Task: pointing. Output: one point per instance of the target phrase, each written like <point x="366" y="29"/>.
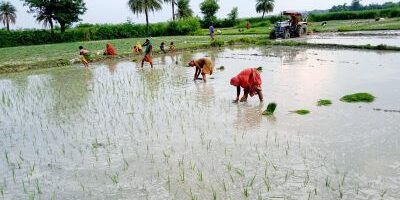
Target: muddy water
<point x="390" y="38"/>
<point x="118" y="132"/>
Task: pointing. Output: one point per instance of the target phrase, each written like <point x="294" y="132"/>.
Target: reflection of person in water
<point x="250" y="81"/>
<point x="112" y="66"/>
<point x="248" y="117"/>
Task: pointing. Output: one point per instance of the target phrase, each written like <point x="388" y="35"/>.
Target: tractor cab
<point x="296" y="26"/>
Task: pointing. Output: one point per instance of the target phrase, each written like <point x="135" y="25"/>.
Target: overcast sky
<point x="117" y="11"/>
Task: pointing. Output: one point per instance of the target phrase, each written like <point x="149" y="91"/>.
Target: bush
<point x="217" y="43"/>
<point x="86" y="32"/>
<point x="187" y="26"/>
<point x="346" y="15"/>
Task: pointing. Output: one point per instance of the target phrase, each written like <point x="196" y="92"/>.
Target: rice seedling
<point x="200" y="175"/>
<point x="382" y="193"/>
<point x="2" y="190"/>
<point x="214" y="194"/>
<point x="221" y="68"/>
<point x="301" y="112"/>
<point x="114" y="178"/>
<point x="7" y="158"/>
<point x="270" y="109"/>
<point x="358" y="97"/>
<point x="246" y="192"/>
<point x="240" y="172"/>
<point x="38" y="189"/>
<point x="324" y="102"/>
<point x="224" y="186"/>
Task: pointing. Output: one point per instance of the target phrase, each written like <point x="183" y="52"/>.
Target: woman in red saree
<point x="250" y="81"/>
<point x="110" y="50"/>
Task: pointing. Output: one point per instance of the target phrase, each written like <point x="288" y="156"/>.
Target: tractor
<point x="296" y="26"/>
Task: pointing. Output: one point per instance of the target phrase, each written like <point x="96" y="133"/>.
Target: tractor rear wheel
<point x="272" y="35"/>
<point x="286" y="35"/>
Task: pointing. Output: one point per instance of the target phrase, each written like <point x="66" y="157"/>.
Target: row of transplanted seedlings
<point x="136" y="133"/>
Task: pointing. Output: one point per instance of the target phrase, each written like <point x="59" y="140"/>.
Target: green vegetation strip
<point x="358" y="97"/>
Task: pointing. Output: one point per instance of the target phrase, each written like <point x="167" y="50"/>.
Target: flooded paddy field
<point x="116" y="131"/>
<point x="374" y="38"/>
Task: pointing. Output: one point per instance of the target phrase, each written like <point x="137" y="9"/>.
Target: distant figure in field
<point x="250" y="81"/>
<point x="248" y="25"/>
<point x="172" y="47"/>
<point x="110" y="50"/>
<point x="212" y="31"/>
<point x="162" y="47"/>
<point x="85" y="56"/>
<point x="137" y="48"/>
<point x="203" y="66"/>
<point x="147" y="57"/>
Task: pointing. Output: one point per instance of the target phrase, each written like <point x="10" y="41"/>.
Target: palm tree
<point x="46" y="17"/>
<point x="184" y="9"/>
<point x="173" y="2"/>
<point x="265" y="6"/>
<point x="144" y="6"/>
<point x="7" y="14"/>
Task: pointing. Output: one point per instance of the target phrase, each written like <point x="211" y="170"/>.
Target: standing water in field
<point x="116" y="131"/>
<point x="374" y="38"/>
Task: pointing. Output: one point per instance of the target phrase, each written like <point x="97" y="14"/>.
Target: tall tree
<point x="65" y="12"/>
<point x="145" y="6"/>
<point x="184" y="9"/>
<point x="173" y="3"/>
<point x="209" y="8"/>
<point x="264" y="6"/>
<point x="7" y="14"/>
<point x="356" y="5"/>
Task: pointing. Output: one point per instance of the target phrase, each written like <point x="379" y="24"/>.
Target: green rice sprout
<point x="301" y="112"/>
<point x="324" y="102"/>
<point x="358" y="97"/>
<point x="270" y="109"/>
<point x="259" y="69"/>
<point x="221" y="67"/>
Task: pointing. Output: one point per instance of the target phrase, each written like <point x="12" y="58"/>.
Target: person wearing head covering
<point x="147" y="57"/>
<point x="85" y="56"/>
<point x="137" y="48"/>
<point x="110" y="50"/>
<point x="203" y="66"/>
<point x="250" y="81"/>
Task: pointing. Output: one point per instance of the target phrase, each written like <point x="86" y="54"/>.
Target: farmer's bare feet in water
<point x="243" y="99"/>
<point x="235" y="101"/>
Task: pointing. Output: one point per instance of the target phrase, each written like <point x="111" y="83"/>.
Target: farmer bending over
<point x="110" y="50"/>
<point x="203" y="66"/>
<point x="250" y="81"/>
<point x="85" y="56"/>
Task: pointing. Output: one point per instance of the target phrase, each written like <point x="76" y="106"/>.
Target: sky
<point x="117" y="11"/>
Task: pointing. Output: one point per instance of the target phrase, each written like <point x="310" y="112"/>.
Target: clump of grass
<point x="259" y="69"/>
<point x="358" y="97"/>
<point x="270" y="109"/>
<point x="221" y="67"/>
<point x="217" y="43"/>
<point x="301" y="112"/>
<point x="324" y="102"/>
